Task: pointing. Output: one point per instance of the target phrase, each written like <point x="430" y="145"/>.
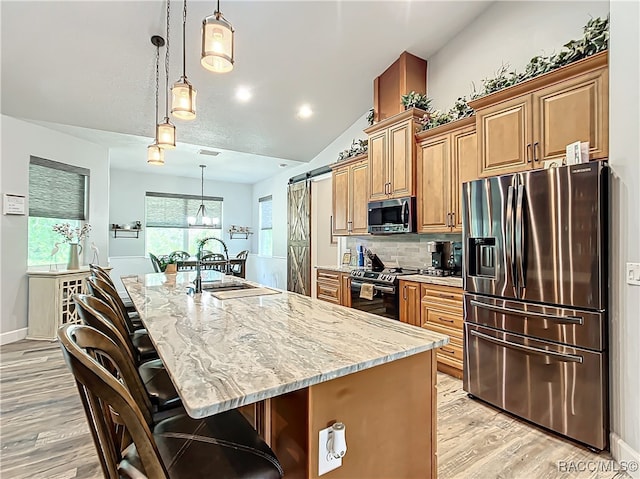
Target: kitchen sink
<point x="225" y="286"/>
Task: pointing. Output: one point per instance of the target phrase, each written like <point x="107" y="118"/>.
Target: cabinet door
<point x="410" y="302"/>
<point x="573" y="110"/>
<point x="378" y="166"/>
<point x="464" y="167"/>
<point x="504" y="133"/>
<point x="433" y="185"/>
<point x="359" y="197"/>
<point x="341" y="201"/>
<point x="345" y="289"/>
<point x="401" y="159"/>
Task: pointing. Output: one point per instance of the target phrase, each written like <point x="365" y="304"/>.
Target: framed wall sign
<point x="13" y="204"/>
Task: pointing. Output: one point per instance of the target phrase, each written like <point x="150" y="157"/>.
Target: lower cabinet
<point x="410" y="302"/>
<point x="333" y="287"/>
<point x="441" y="312"/>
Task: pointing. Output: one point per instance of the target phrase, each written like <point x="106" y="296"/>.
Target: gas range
<point x="386" y="276"/>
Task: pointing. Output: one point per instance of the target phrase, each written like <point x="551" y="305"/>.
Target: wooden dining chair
<point x="239" y="269"/>
<point x="180" y="255"/>
<point x="131" y="444"/>
<point x="139" y="337"/>
<point x="155" y="262"/>
<point x="99" y="315"/>
<point x="103" y="274"/>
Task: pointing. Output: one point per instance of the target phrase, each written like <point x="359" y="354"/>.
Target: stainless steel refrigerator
<point x="535" y="280"/>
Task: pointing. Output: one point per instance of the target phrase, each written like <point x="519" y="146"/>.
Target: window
<point x="265" y="239"/>
<point x="58" y="193"/>
<point x="166" y="223"/>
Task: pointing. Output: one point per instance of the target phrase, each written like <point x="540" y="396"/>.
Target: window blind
<point x="57" y="190"/>
<point x="166" y="210"/>
<point x="266" y="211"/>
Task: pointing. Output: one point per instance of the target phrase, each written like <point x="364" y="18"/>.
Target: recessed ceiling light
<point x="305" y="111"/>
<point x="209" y="152"/>
<point x="243" y="94"/>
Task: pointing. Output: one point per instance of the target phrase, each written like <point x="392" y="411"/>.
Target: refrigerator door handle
<point x="572" y="358"/>
<point x="519" y="234"/>
<point x="502" y="309"/>
<point x="511" y="266"/>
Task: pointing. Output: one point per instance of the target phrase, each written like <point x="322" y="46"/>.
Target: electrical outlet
<point x="633" y="273"/>
<point x="326" y="461"/>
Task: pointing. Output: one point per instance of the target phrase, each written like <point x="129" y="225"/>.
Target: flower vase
<point x="74" y="252"/>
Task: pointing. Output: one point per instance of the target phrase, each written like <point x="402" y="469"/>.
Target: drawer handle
<point x="446" y="296"/>
<point x="448" y="351"/>
<point x="445" y="320"/>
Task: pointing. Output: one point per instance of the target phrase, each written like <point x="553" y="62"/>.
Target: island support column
<point x="390" y="417"/>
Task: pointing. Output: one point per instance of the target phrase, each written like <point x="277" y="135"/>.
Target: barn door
<point x="298" y="241"/>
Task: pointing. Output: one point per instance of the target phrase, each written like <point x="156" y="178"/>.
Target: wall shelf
<point x="126" y="233"/>
<point x="239" y="235"/>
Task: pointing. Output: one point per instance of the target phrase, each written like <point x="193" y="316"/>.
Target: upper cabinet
<point x="447" y="157"/>
<point x="350" y="196"/>
<point x="522" y="126"/>
<point x="392" y="156"/>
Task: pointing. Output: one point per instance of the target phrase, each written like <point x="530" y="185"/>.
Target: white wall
<point x="273" y="270"/>
<point x="506" y="32"/>
<point x="624" y="146"/>
<point x="20" y="140"/>
<point x="127" y="204"/>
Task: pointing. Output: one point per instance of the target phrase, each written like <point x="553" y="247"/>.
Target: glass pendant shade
<point x="155" y="155"/>
<point x="166" y="134"/>
<point x="183" y="100"/>
<point x="217" y="44"/>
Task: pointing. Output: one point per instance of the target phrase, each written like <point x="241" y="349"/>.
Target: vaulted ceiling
<point x="87" y="67"/>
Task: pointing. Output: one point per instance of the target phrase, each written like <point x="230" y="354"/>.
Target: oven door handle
<point x="573" y="358"/>
<point x="503" y="309"/>
<point x="357" y="285"/>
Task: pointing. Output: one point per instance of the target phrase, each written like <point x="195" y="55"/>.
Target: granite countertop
<point x="340" y="268"/>
<point x="222" y="354"/>
<point x="454" y="281"/>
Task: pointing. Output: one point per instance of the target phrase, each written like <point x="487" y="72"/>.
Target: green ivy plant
<point x="358" y="147"/>
<point x="416" y="100"/>
<point x="370" y="117"/>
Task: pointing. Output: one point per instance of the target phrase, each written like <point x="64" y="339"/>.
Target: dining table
<point x="296" y="365"/>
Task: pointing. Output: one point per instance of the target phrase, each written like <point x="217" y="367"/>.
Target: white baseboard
<point x="13" y="336"/>
<point x="625" y="455"/>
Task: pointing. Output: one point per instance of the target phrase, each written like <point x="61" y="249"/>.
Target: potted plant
<point x="416" y="100"/>
<point x="168" y="263"/>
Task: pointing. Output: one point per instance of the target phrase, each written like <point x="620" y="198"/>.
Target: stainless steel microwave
<point x="392" y="216"/>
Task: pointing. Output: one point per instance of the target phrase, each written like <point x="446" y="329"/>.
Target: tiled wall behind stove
<point x="410" y="250"/>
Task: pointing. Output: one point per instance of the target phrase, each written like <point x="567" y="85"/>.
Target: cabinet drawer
<point x="443" y="296"/>
<point x="453" y="350"/>
<point x="328" y="293"/>
<point x="443" y="318"/>
<point x="453" y="333"/>
<point x="327" y="276"/>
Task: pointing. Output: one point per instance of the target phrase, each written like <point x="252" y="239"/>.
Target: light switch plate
<point x="326" y="461"/>
<point x="633" y="273"/>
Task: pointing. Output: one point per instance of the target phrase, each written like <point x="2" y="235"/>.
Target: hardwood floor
<point x="44" y="435"/>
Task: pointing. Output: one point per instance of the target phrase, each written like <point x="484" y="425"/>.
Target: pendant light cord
<point x="157" y="85"/>
<point x="166" y="63"/>
<point x="184" y="36"/>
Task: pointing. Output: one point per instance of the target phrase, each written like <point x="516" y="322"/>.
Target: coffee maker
<point x="435" y="252"/>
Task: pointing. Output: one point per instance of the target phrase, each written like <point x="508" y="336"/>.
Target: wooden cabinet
<point x="447" y="157"/>
<point x="50" y="300"/>
<point x="392" y="156"/>
<point x="350" y="196"/>
<point x="522" y="126"/>
<point x="410" y="302"/>
<point x="333" y="287"/>
<point x="441" y="312"/>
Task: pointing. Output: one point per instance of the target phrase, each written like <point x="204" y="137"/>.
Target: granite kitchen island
<point x="305" y="363"/>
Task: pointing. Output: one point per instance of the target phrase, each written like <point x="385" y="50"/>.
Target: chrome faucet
<point x="198" y="281"/>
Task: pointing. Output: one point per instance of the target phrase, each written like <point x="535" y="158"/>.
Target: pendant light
<point x="155" y="154"/>
<point x="217" y="43"/>
<point x="183" y="98"/>
<point x="200" y="219"/>
<point x="166" y="131"/>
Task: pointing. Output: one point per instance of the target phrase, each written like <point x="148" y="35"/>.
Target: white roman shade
<point x="166" y="210"/>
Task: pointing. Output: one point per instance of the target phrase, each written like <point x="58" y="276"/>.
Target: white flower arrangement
<point x="72" y="235"/>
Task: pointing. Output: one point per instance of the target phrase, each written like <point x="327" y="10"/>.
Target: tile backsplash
<point x="409" y="250"/>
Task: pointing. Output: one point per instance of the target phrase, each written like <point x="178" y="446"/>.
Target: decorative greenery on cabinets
<point x="358" y="147"/>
